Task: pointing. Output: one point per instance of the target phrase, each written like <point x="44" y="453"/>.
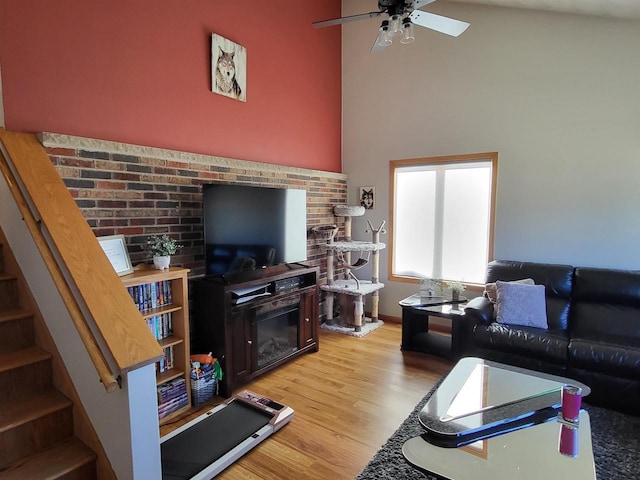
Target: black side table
<point x="416" y="336"/>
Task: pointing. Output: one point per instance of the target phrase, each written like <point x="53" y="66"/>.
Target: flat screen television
<point x="247" y="227"/>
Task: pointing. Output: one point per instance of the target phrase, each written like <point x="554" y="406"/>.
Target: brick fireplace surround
<point x="136" y="191"/>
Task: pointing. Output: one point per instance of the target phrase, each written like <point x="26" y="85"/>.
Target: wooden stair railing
<point x="84" y="277"/>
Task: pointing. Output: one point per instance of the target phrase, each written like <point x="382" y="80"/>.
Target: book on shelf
<point x="166" y="362"/>
<point x="155" y="300"/>
<point x="161" y="326"/>
<point x="151" y="295"/>
<point x="168" y="298"/>
<point x="171" y="406"/>
<point x="171" y="392"/>
<point x="171" y="389"/>
<point x="167" y="322"/>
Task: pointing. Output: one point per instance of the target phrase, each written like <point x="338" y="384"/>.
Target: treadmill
<point x="205" y="446"/>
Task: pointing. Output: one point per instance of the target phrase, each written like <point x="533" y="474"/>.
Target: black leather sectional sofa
<point x="593" y="333"/>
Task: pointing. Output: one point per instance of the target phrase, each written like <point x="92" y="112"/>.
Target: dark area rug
<point x="615" y="437"/>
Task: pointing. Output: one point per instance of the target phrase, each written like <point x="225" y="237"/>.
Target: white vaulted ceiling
<point x="605" y="8"/>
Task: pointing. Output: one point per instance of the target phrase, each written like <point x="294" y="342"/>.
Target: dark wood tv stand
<point x="254" y="321"/>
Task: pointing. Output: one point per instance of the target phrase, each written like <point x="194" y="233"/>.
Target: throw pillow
<point x="521" y="304"/>
<point x="490" y="288"/>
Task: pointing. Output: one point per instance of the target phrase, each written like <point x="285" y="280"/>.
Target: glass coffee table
<point x="487" y="420"/>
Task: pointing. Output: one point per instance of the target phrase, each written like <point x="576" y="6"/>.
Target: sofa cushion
<point x="606" y="301"/>
<point x="524" y="341"/>
<point x="491" y="291"/>
<point x="521" y="304"/>
<point x="611" y="354"/>
<point x="558" y="280"/>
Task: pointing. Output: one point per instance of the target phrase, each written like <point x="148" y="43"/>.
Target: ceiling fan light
<point x="384" y="39"/>
<point x="395" y="26"/>
<point x="407" y="32"/>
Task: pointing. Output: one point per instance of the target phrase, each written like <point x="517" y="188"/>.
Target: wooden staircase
<point x="37" y="438"/>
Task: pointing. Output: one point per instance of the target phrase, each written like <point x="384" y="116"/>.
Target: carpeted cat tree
<point x="350" y="290"/>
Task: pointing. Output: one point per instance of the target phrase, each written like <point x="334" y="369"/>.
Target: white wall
<point x="557" y="95"/>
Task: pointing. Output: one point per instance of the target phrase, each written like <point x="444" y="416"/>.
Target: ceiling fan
<point x="402" y="14"/>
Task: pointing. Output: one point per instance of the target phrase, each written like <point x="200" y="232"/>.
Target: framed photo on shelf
<point x="115" y="248"/>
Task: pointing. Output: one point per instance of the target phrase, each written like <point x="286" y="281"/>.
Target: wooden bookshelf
<point x="166" y="311"/>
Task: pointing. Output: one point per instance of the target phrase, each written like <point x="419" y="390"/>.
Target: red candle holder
<point x="571" y="403"/>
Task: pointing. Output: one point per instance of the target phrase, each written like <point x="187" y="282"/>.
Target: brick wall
<point x="137" y="191"/>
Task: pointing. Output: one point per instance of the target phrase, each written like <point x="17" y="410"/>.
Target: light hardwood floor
<point x="348" y="399"/>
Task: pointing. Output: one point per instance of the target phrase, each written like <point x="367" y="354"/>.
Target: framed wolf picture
<point x="367" y="197"/>
<point x="228" y="68"/>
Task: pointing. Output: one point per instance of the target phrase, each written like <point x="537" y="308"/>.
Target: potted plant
<point x="161" y="247"/>
<point x="456" y="288"/>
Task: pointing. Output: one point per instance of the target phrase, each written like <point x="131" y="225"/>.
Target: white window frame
<point x="442" y="160"/>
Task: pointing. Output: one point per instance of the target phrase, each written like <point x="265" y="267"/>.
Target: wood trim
<point x="126" y="336"/>
<point x="386" y="318"/>
<point x="468" y="157"/>
<point x="494" y="190"/>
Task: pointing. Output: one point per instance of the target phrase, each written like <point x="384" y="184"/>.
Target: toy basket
<point x="204" y="387"/>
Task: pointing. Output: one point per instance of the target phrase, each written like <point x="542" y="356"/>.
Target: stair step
<point x="51" y="422"/>
<point x="67" y="460"/>
<point x="24" y="372"/>
<point x="14" y="314"/>
<point x="8" y="291"/>
<point x="16" y="330"/>
<point x="14" y="413"/>
<point x="22" y="358"/>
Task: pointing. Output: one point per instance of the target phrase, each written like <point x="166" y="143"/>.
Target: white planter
<point x="162" y="263"/>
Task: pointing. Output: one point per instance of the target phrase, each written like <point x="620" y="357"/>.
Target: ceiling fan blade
<point x="438" y="23"/>
<point x="341" y="20"/>
<point x="416" y="4"/>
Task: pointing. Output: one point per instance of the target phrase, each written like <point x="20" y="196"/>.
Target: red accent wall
<point x="140" y="72"/>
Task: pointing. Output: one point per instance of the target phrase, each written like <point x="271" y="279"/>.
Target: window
<point x="442" y="217"/>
